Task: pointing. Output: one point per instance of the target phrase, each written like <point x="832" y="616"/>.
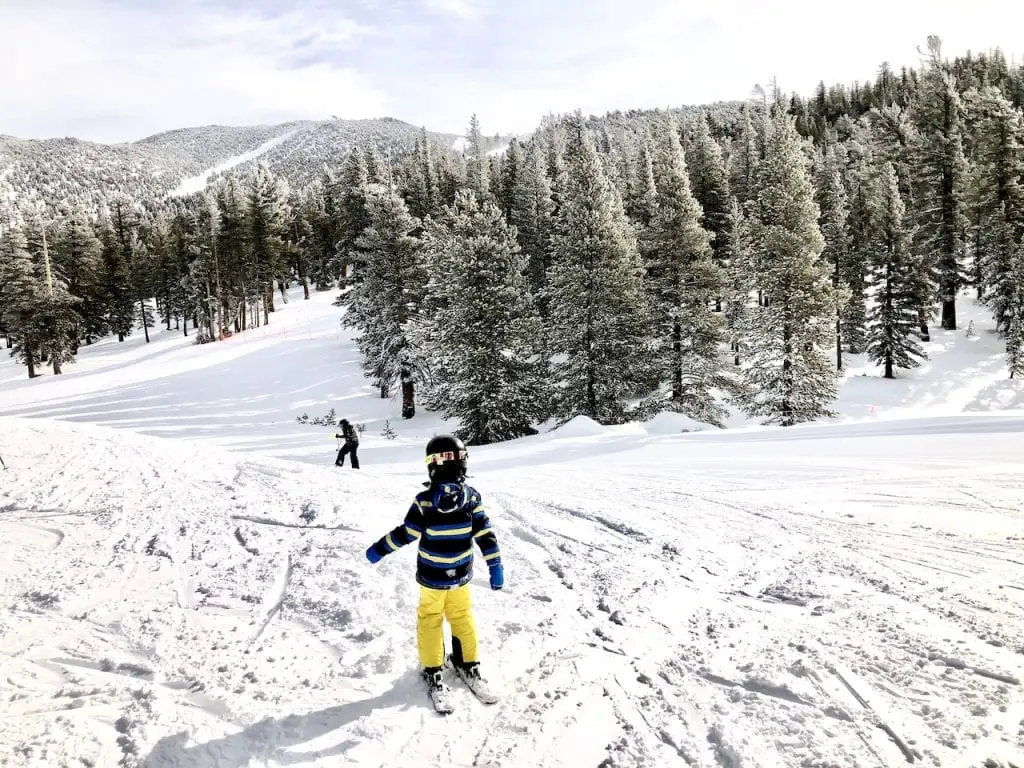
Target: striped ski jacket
<point x="445" y="520"/>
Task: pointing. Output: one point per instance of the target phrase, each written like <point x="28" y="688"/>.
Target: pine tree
<point x="353" y="218"/>
<point x="892" y="320"/>
<point x="477" y="166"/>
<point x="642" y="199"/>
<point x="710" y="182"/>
<point x="682" y="280"/>
<point x="1015" y="318"/>
<point x="76" y="258"/>
<point x="835" y="212"/>
<point x="389" y="294"/>
<point x="599" y="316"/>
<point x="740" y="284"/>
<point x="20" y="296"/>
<point x="788" y="374"/>
<point x="997" y="197"/>
<point x="120" y="237"/>
<point x="268" y="215"/>
<point x="941" y="180"/>
<point x="484" y="357"/>
<point x="532" y="218"/>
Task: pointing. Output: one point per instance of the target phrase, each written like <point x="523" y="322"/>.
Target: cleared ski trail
<point x="715" y="601"/>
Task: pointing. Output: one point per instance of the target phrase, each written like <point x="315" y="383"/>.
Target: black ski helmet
<point x="446" y="459"/>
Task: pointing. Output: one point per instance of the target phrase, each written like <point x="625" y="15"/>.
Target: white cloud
<point x="464" y="9"/>
<point x="105" y="72"/>
<point x="99" y="69"/>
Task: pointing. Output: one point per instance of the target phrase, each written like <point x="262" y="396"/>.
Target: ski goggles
<point x="441" y="458"/>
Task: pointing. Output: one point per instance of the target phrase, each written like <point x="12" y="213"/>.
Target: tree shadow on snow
<point x="273" y="737"/>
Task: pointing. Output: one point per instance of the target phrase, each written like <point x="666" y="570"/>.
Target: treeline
<point x="612" y="267"/>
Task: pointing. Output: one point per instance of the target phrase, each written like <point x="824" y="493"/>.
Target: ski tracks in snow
<point x="164" y="611"/>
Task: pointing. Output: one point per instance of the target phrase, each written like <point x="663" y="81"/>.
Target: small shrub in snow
<point x="389" y="431"/>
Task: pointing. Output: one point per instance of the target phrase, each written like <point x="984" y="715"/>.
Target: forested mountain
<point x="67" y="170"/>
<point x="615" y="266"/>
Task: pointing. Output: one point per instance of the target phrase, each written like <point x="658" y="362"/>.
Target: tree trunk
<point x="385" y="391"/>
<point x="31" y="366"/>
<point x="922" y="321"/>
<point x="408" y="394"/>
<point x="677" y="361"/>
<point x="145" y="325"/>
<point x="56" y="365"/>
<point x="786" y="409"/>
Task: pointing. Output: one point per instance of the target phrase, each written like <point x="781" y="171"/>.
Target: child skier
<point x="446" y="519"/>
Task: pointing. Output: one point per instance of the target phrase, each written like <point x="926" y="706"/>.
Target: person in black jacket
<point x="351" y="444"/>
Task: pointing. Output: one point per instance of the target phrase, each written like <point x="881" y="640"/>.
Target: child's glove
<point x="373" y="555"/>
<point x="497" y="577"/>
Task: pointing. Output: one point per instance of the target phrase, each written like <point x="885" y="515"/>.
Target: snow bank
<point x="580" y="426"/>
<point x="666" y="423"/>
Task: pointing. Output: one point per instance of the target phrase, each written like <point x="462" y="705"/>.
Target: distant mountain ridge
<point x="73" y="170"/>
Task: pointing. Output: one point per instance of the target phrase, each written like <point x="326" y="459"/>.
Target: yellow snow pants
<point x="435" y="606"/>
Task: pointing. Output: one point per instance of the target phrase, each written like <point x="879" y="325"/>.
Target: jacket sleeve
<point x="484" y="536"/>
<point x="409" y="531"/>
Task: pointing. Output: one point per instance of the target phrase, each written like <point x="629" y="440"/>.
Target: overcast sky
<point x="116" y="70"/>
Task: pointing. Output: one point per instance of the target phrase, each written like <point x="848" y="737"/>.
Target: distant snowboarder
<point x="446" y="519"/>
<point x="351" y="446"/>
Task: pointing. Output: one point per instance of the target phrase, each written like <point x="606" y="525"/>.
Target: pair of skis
<point x="443" y="699"/>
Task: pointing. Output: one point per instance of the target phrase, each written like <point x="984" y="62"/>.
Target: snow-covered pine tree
<point x="682" y="281"/>
<point x="511" y="170"/>
<point x="20" y="295"/>
<point x="485" y="359"/>
<point x="352" y="216"/>
<point x="709" y="180"/>
<point x="745" y="157"/>
<point x="789" y="376"/>
<point x="477" y="166"/>
<point x="834" y="220"/>
<point x="740" y="284"/>
<point x="532" y="218"/>
<point x="76" y="255"/>
<point x="892" y="320"/>
<point x="268" y="215"/>
<point x="997" y="196"/>
<point x="120" y="225"/>
<point x="1015" y="317"/>
<point x="599" y="319"/>
<point x="642" y="200"/>
<point x="861" y="193"/>
<point x="141" y="274"/>
<point x="389" y="294"/>
<point x="940" y="179"/>
<point x="895" y="140"/>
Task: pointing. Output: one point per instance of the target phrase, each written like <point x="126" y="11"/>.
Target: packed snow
<point x="184" y="581"/>
<point x="198" y="183"/>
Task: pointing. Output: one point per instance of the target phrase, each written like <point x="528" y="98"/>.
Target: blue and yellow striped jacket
<point x="445" y="538"/>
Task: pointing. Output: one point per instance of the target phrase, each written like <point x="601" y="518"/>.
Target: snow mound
<point x="1004" y="395"/>
<point x="580" y="426"/>
<point x="668" y="423"/>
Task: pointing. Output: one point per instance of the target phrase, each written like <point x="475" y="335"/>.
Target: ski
<point x="477" y="685"/>
<point x="440" y="695"/>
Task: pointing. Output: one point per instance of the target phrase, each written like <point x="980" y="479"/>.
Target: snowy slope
<point x="708" y="600"/>
<point x="831" y="595"/>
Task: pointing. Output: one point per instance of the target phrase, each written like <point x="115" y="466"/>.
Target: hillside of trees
<point x="615" y="267"/>
<point x="69" y="171"/>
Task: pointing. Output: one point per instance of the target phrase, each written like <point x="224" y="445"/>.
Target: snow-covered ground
<point x="198" y="183"/>
<point x="183" y="580"/>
